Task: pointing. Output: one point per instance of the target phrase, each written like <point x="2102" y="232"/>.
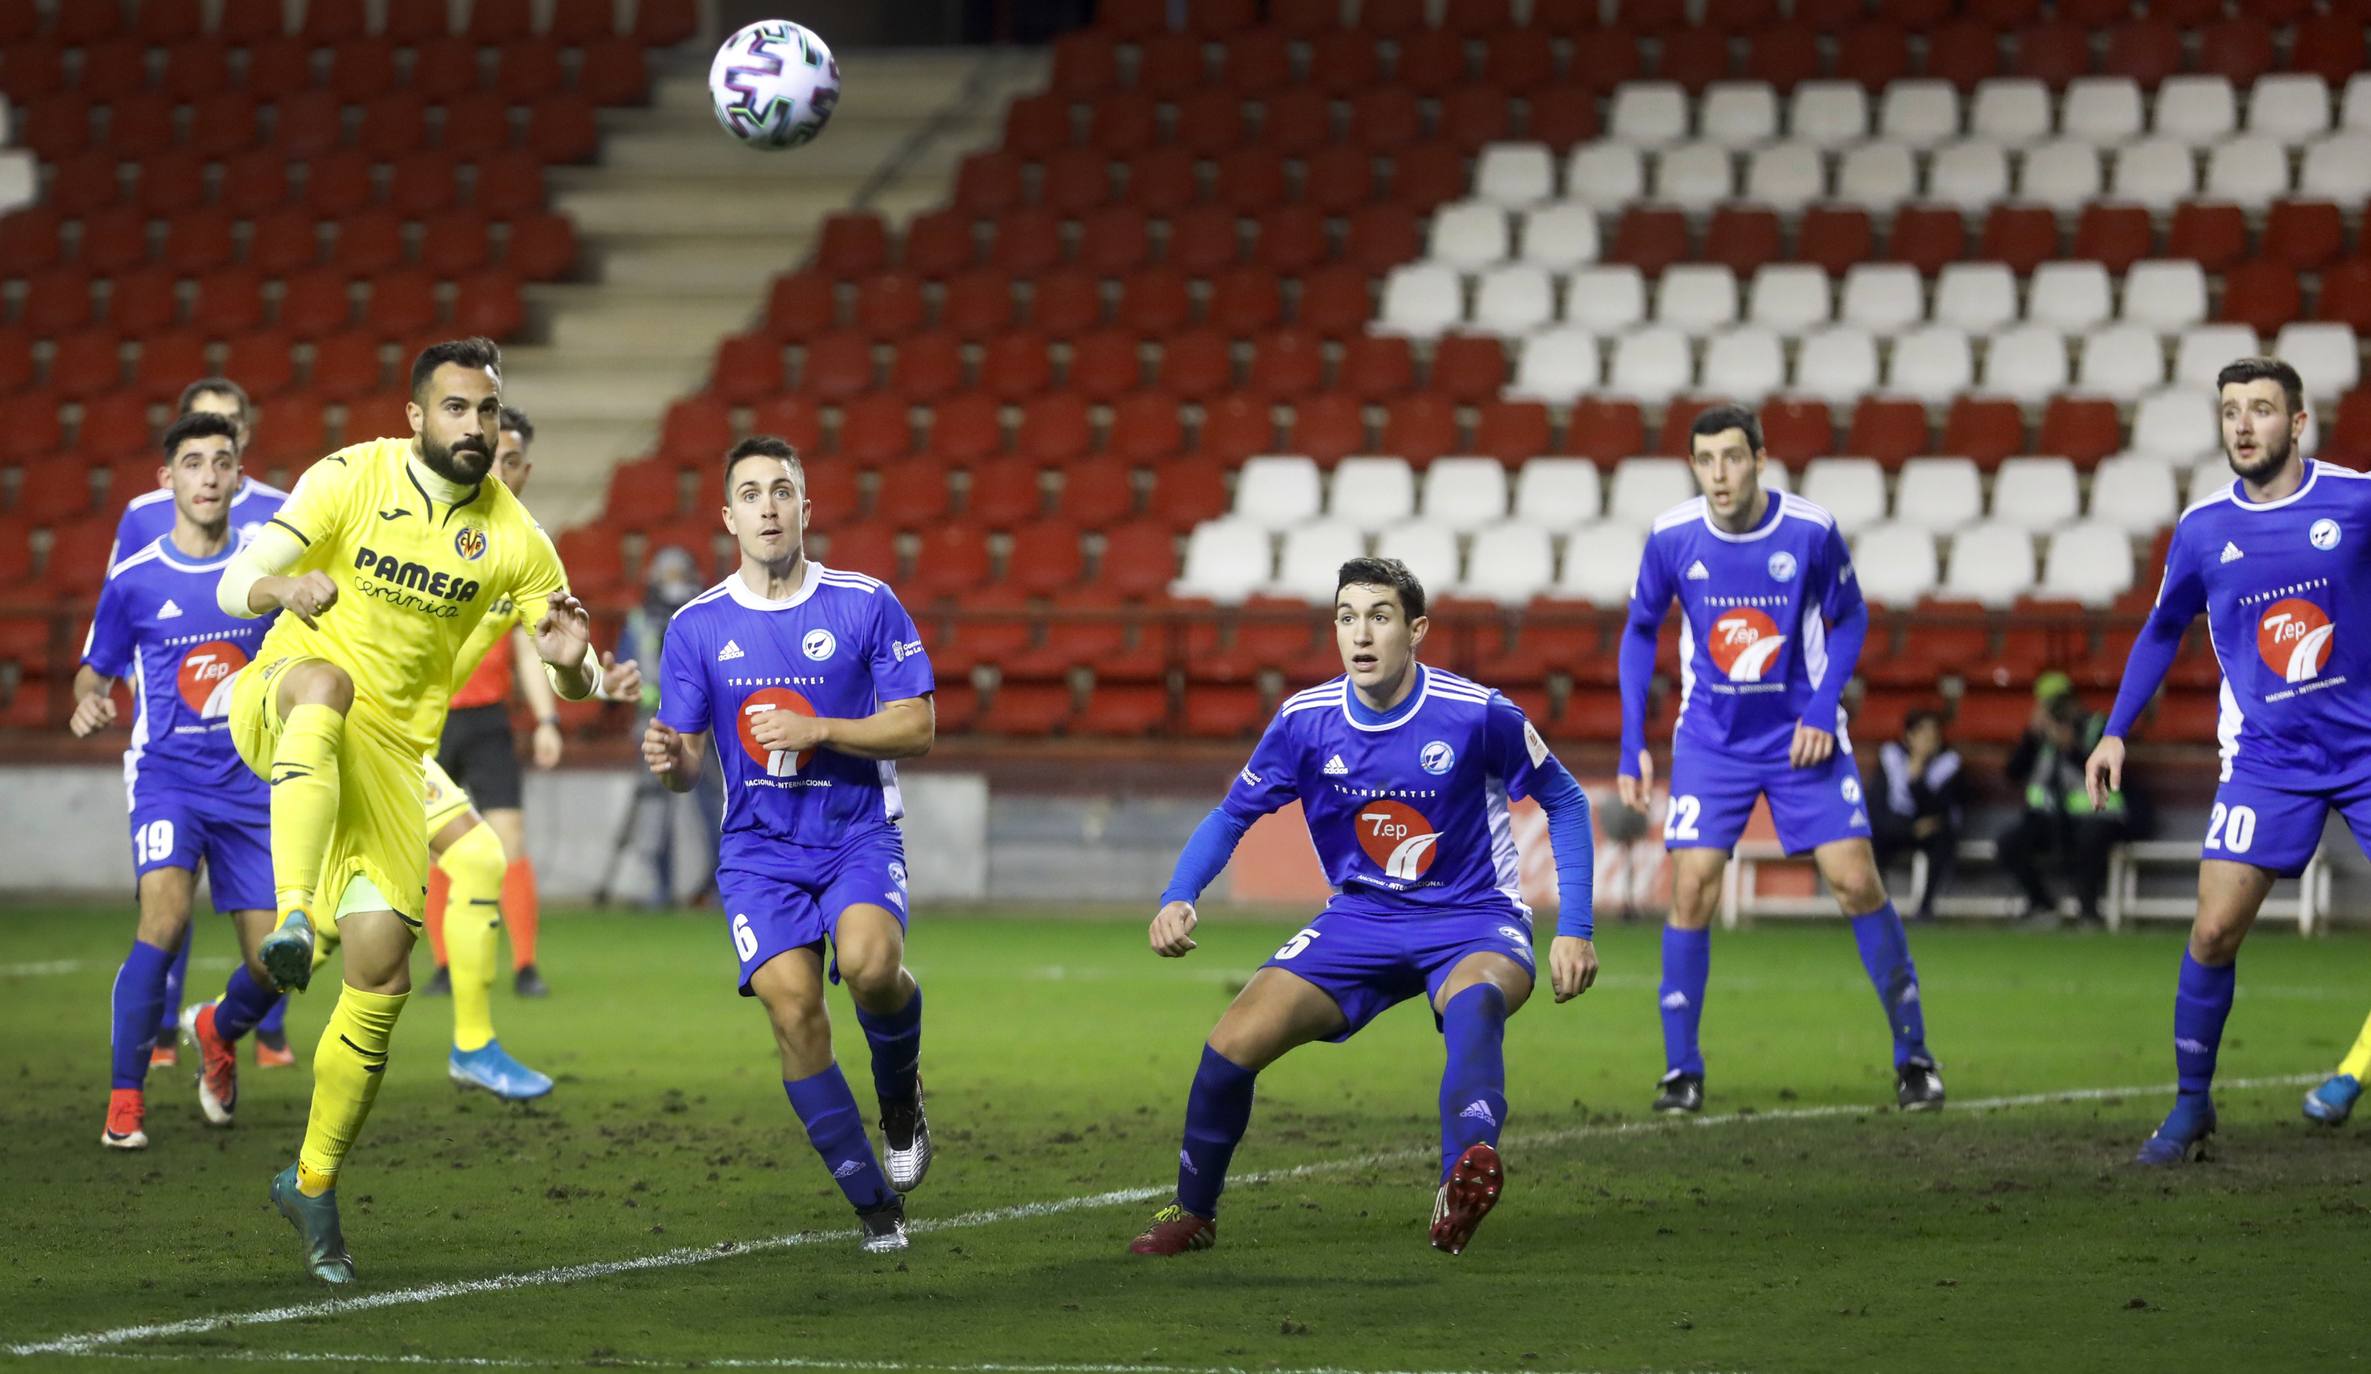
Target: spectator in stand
<point x="671" y="580"/>
<point x="2060" y="820"/>
<point x="1919" y="803"/>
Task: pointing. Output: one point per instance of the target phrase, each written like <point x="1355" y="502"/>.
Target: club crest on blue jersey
<point x="2323" y="535"/>
<point x="470" y="543"/>
<point x="1782" y="566"/>
<point x="1437" y="758"/>
<point x="1851" y="788"/>
<point x="818" y="645"/>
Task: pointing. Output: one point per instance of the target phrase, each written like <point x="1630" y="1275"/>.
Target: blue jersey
<point x="157" y="625"/>
<point x="1755" y="609"/>
<point x="2276" y="580"/>
<point x="1408" y="810"/>
<point x="149" y="517"/>
<point x="840" y="647"/>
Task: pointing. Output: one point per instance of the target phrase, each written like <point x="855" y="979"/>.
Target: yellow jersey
<point x="416" y="578"/>
<point x="489" y="634"/>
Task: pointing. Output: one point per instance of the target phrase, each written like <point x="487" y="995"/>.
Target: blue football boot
<point x="2182" y="1137"/>
<point x="489" y="1066"/>
<point x="316" y="1221"/>
<point x="2334" y="1100"/>
<point x="287" y="953"/>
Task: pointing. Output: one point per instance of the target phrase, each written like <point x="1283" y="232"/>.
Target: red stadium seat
<point x="927" y="366"/>
<point x="802" y="304"/>
<point x="1086" y="64"/>
<point x="1145" y="428"/>
<point x="488" y="303"/>
<point x="1005" y="492"/>
<point x="85" y="183"/>
<point x="1373" y="367"/>
<point x="1217" y="711"/>
<point x="966" y="427"/>
<point x="1045" y="557"/>
<point x="16" y="359"/>
<point x="32" y="238"/>
<point x="509" y="184"/>
<point x="665" y="23"/>
<point x="1329" y="427"/>
<point x="837" y="366"/>
<point x="1430" y="63"/>
<point x="1343" y="62"/>
<point x="167" y="362"/>
<point x="1605" y="431"/>
<point x="144" y="301"/>
<point x="2262" y="294"/>
<point x="1028" y="241"/>
<point x="88" y="362"/>
<point x="500" y="21"/>
<point x="1305" y="18"/>
<point x="1338" y="179"/>
<point x="1336" y="300"/>
<point x="695" y="427"/>
<point x="1402" y="19"/>
<point x="1170" y="65"/>
<point x="346" y="366"/>
<point x="1098" y="493"/>
<point x="2023" y="236"/>
<point x="1035" y="125"/>
<point x="1257" y="62"/>
<point x="29" y="427"/>
<point x="409" y="22"/>
<point x="2329" y="46"/>
<point x="1650" y="238"/>
<point x="1113" y="240"/>
<point x="57" y="127"/>
<point x="2213" y="233"/>
<point x="1296" y="121"/>
<point x="938" y="244"/>
<point x="1986" y="429"/>
<point x="117" y="424"/>
<point x="1429" y="175"/>
<point x="1248" y="182"/>
<point x="1162" y="180"/>
<point x="2237" y="49"/>
<point x="261" y="359"/>
<point x="541" y="247"/>
<point x="1888" y="430"/>
<point x="1695" y="58"/>
<point x="1055" y="428"/>
<point x="1234" y="428"/>
<point x="200" y="240"/>
<point x="890" y="305"/>
<point x="1519" y="61"/>
<point x="644" y="493"/>
<point x="1016" y="366"/>
<point x="2146" y="50"/>
<point x="2346" y="297"/>
<point x="369" y="242"/>
<point x="454" y="245"/>
<point x="1784" y="56"/>
<point x="793" y="417"/>
<point x="1203" y="239"/>
<point x="2054" y="53"/>
<point x="282" y="241"/>
<point x="2115" y="236"/>
<point x="1197" y="364"/>
<point x="1104" y="364"/>
<point x="613" y="72"/>
<point x="562" y="128"/>
<point x="1834" y="237"/>
<point x="876" y="429"/>
<point x="1796" y="431"/>
<point x="1420" y="427"/>
<point x="1292" y="240"/>
<point x="988" y="183"/>
<point x="55" y="302"/>
<point x="170" y="181"/>
<point x="2085" y="429"/>
<point x="2306" y="234"/>
<point x="315" y="302"/>
<point x="1474" y="116"/>
<point x="1927" y="237"/>
<point x="1287" y="364"/>
<point x="56" y="493"/>
<point x="1743" y="238"/>
<point x="1139" y="559"/>
<point x="1512" y="431"/>
<point x="1075" y="180"/>
<point x="423" y="183"/>
<point x="1245" y="300"/>
<point x="952" y="559"/>
<point x="1123" y="711"/>
<point x="1155" y="300"/>
<point x="1964" y="52"/>
<point x="978" y="303"/>
<point x="1875" y="54"/>
<point x="853" y="243"/>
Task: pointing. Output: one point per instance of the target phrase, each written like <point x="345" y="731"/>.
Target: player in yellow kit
<point x="387" y="556"/>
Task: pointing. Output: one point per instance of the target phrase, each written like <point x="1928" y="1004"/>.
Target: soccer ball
<point x="774" y="84"/>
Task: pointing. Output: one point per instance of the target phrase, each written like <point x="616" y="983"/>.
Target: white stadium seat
<point x="1559" y="492"/>
<point x="2337" y="168"/>
<point x="2070" y="296"/>
<point x="1968" y="175"/>
<point x="1883" y="297"/>
<point x="1514" y="298"/>
<point x="2206" y="477"/>
<point x="1279" y="489"/>
<point x="1312" y="554"/>
<point x="1644" y="488"/>
<point x="1605" y="176"/>
<point x="1429" y="550"/>
<point x="2174" y="425"/>
<point x="1776" y="476"/>
<point x="1787" y="177"/>
<point x="2121" y="360"/>
<point x="1931" y="364"/>
<point x="1979" y="297"/>
<point x="1879" y="177"/>
<point x="1737" y="114"/>
<point x="2103" y="111"/>
<point x="1851" y="489"/>
<point x="2166" y="294"/>
<point x="2064" y="175"/>
<point x="1469" y="235"/>
<point x="2205" y="349"/>
<point x="19" y="179"/>
<point x="1651" y="365"/>
<point x="1938" y="494"/>
<point x="1837" y="365"/>
<point x="2326" y="354"/>
<point x="2197" y="110"/>
<point x="2013" y="111"/>
<point x="1372" y="491"/>
<point x="2027" y="364"/>
<point x="1746" y="364"/>
<point x="2251" y="170"/>
<point x="1606" y="299"/>
<point x="1601" y="563"/>
<point x="1560" y="237"/>
<point x="2035" y="493"/>
<point x="2157" y="173"/>
<point x="1515" y="174"/>
<point x="1694" y="176"/>
<point x="1698" y="297"/>
<point x="1226" y="561"/>
<point x="1920" y="113"/>
<point x="2354" y="109"/>
<point x="1991" y="564"/>
<point x="2290" y="107"/>
<point x="1895" y="564"/>
<point x="2090" y="563"/>
<point x="1557" y="365"/>
<point x="2134" y="493"/>
<point x="1465" y="493"/>
<point x="1648" y="114"/>
<point x="1828" y="114"/>
<point x="1790" y="297"/>
<point x="1510" y="563"/>
<point x="1421" y="300"/>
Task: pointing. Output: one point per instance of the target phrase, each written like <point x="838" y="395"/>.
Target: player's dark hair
<point x="1384" y="572"/>
<point x="471" y="353"/>
<point x="1723" y="417"/>
<point x="2292" y="386"/>
<point x="762" y="446"/>
<point x="198" y="424"/>
<point x="214" y="386"/>
<point x="1922" y="716"/>
<point x="515" y="421"/>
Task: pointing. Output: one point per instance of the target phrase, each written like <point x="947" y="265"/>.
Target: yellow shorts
<point x="446" y="799"/>
<point x="378" y="832"/>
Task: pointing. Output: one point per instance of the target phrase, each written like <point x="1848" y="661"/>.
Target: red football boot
<point x="218" y="1072"/>
<point x="1174" y="1231"/>
<point x="125" y="1109"/>
<point x="1472" y="1190"/>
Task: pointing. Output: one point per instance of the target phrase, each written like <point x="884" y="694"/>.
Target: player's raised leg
<point x="470" y="857"/>
<point x="790" y="986"/>
<point x="1687" y="969"/>
<point x="311" y="698"/>
<point x="2229" y="895"/>
<point x="870" y="944"/>
<point x="138" y="996"/>
<point x="1481" y="992"/>
<point x="1850" y="869"/>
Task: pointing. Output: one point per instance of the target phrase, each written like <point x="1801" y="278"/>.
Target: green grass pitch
<point x="1803" y="1225"/>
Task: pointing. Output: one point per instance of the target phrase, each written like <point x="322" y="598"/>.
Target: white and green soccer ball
<point x="774" y="84"/>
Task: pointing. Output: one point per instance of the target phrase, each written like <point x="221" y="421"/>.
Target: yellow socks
<point x="304" y="778"/>
<point x="347" y="1069"/>
<point x="2358" y="1059"/>
<point x="473" y="924"/>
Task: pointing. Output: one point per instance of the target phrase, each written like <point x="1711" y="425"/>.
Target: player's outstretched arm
<point x="2181" y="597"/>
<point x="255" y="582"/>
<point x="564" y="641"/>
<point x="2104" y="772"/>
<point x="899" y="730"/>
<point x="673" y="756"/>
<point x="1172" y="932"/>
<point x="1572" y="966"/>
<point x="94" y="702"/>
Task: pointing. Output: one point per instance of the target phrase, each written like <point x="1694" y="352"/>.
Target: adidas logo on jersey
<point x="1478" y="1110"/>
<point x="1186" y="1162"/>
<point x="1675" y="1000"/>
<point x="1696" y="572"/>
<point x="1335" y="768"/>
<point x="170" y="610"/>
<point x="2231" y="553"/>
<point x="729" y="652"/>
<point x="847" y="1167"/>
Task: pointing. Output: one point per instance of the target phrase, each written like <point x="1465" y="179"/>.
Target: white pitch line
<point x="52" y="968"/>
<point x="785" y="1362"/>
<point x="94" y="1342"/>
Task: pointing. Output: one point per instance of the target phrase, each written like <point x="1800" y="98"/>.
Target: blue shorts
<point x="1712" y="797"/>
<point x="796" y="900"/>
<point x="172" y="828"/>
<point x="2278" y="828"/>
<point x="1369" y="964"/>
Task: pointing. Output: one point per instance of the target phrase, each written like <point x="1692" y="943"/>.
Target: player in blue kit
<point x="2277" y="560"/>
<point x="191" y="799"/>
<point x="147" y="517"/>
<point x="1404" y="773"/>
<point x="814" y="682"/>
<point x="1771" y="623"/>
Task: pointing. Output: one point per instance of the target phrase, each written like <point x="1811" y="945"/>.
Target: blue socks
<point x="244" y="1003"/>
<point x="139" y="991"/>
<point x="1687" y="963"/>
<point x="1474" y="1080"/>
<point x="274" y="1024"/>
<point x="1885" y="953"/>
<point x="828" y="1110"/>
<point x="2201" y="1003"/>
<point x="896" y="1040"/>
<point x="168" y="1023"/>
<point x="1217" y="1113"/>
